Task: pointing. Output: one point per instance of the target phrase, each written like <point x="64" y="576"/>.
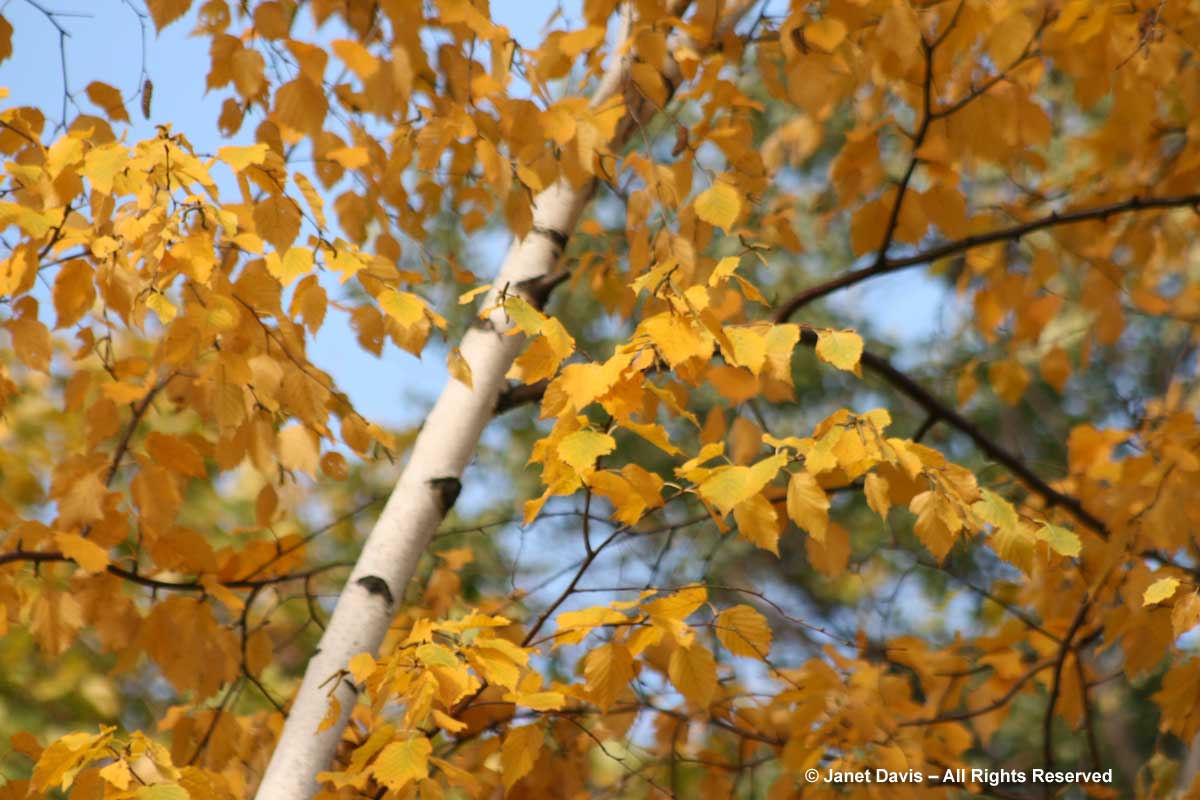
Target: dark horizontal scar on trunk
<point x="377" y="585"/>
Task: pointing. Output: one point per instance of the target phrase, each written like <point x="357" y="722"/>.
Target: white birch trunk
<point x="414" y="510"/>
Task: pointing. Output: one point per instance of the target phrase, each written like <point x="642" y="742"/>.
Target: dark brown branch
<point x="1056" y="684"/>
<point x="56" y="557"/>
<point x="889" y="230"/>
<point x="998" y="703"/>
<point x="139" y="411"/>
<point x="1011" y="233"/>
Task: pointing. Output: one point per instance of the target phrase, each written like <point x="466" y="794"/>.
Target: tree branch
<point x="1011" y="233"/>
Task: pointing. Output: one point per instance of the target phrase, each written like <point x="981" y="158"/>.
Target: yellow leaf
<point x="1009" y="379"/>
<point x="726" y="487"/>
<point x="124" y="392"/>
<point x="679" y="605"/>
<point x="877" y="491"/>
<point x="356" y="57"/>
<point x="102" y="165"/>
<point x="538" y="701"/>
<point x="807" y="504"/>
<point x="163" y="307"/>
<point x="90" y="556"/>
<point x="301" y="105"/>
<point x="239" y="158"/>
<point x="404" y="307"/>
<point x="744" y="632"/>
<point x="579" y="450"/>
<point x="574" y="626"/>
<point x="108" y="100"/>
<point x="607" y="670"/>
<point x="447" y="722"/>
<point x="826" y="33"/>
<point x="403" y="762"/>
<point x="361" y="666"/>
<point x="277" y="220"/>
<point x="164" y="12"/>
<point x="1162" y="589"/>
<point x="693" y="671"/>
<point x="298" y="449"/>
<point x="460" y="370"/>
<point x="519" y="753"/>
<point x="1062" y="541"/>
<point x="350" y="157"/>
<point x="937" y="522"/>
<point x="471" y="294"/>
<point x="117" y="774"/>
<point x="331" y="714"/>
<point x="315" y="204"/>
<point x="74" y="292"/>
<point x="162" y="791"/>
<point x="758" y="523"/>
<point x="842" y="349"/>
<point x="720" y="205"/>
<point x="176" y="453"/>
<point x="1186" y="614"/>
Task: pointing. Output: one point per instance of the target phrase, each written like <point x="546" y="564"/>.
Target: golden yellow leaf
<point x="574" y="626"/>
<point x="744" y="632"/>
<point x="298" y="449"/>
<point x="842" y="349"/>
<point x="175" y="453"/>
<point x="162" y="791"/>
<point x="402" y="762"/>
<point x="459" y="369"/>
<point x="404" y="307"/>
<point x="277" y="220"/>
<point x="471" y="294"/>
<point x="164" y="12"/>
<point x="831" y="555"/>
<point x="108" y="100"/>
<point x="74" y="292"/>
<point x="693" y="671"/>
<point x="1159" y="591"/>
<point x="607" y="670"/>
<point x="876" y="488"/>
<point x="1186" y="613"/>
<point x="1009" y="379"/>
<point x="1062" y="541"/>
<point x="826" y="33"/>
<point x="758" y="523"/>
<point x="520" y="752"/>
<point x="579" y="450"/>
<point x="720" y="205"/>
<point x="90" y="556"/>
<point x="32" y="343"/>
<point x="301" y="105"/>
<point x="678" y="605"/>
<point x="117" y="774"/>
<point x="937" y="522"/>
<point x="239" y="157"/>
<point x="163" y="307"/>
<point x="356" y="57"/>
<point x="807" y="504"/>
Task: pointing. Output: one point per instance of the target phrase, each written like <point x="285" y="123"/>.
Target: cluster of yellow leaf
<point x="136" y="769"/>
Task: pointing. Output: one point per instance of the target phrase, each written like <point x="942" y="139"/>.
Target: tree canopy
<point x="695" y="513"/>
